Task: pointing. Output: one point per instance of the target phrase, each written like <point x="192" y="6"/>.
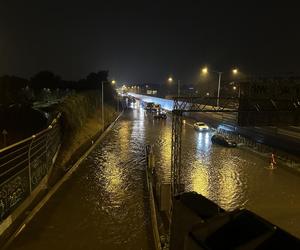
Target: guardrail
<point x="24" y="164"/>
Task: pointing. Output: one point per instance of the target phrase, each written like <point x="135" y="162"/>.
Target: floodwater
<point x="104" y="205"/>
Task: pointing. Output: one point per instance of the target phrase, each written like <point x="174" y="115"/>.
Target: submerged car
<point x="160" y="116"/>
<point x="201" y="126"/>
<point x="222" y="140"/>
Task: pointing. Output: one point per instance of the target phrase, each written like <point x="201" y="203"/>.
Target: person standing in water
<point x="273" y="161"/>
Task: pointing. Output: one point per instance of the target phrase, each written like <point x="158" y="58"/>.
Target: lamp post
<point x="219" y="86"/>
<point x="113" y="82"/>
<point x="205" y="72"/>
<point x="102" y="107"/>
<point x="102" y="101"/>
<point x="170" y="80"/>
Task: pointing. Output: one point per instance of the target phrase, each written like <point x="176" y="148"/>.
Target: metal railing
<point x="24" y="164"/>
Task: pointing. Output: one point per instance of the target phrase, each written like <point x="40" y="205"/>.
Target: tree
<point x="12" y="90"/>
<point x="45" y="79"/>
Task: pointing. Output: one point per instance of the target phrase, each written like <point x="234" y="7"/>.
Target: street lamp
<point x="205" y="72"/>
<point x="170" y="80"/>
<point x="102" y="107"/>
<point x="235" y="71"/>
<point x="102" y="101"/>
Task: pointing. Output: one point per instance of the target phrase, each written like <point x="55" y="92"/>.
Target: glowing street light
<point x="234" y="87"/>
<point x="113" y="82"/>
<point x="170" y="80"/>
<point x="235" y="71"/>
<point x="205" y="70"/>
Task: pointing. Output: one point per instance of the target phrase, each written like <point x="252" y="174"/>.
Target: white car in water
<point x="201" y="126"/>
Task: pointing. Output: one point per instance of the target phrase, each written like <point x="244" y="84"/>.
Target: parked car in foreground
<point x="223" y="141"/>
<point x="201" y="126"/>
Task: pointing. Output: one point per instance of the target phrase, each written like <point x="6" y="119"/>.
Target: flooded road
<point x="104" y="204"/>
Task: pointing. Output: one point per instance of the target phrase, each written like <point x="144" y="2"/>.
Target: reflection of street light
<point x="205" y="72"/>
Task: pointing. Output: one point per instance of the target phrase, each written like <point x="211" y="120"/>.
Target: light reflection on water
<point x="104" y="204"/>
<point x="212" y="170"/>
<point x="231" y="177"/>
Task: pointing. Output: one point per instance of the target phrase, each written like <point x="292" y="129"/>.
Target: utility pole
<point x="4" y="133"/>
<point x="118" y="104"/>
<point x="219" y="86"/>
<point x="102" y="105"/>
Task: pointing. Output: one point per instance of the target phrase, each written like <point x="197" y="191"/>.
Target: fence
<point x="24" y="164"/>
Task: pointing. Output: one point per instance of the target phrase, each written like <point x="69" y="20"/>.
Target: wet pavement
<point x="104" y="205"/>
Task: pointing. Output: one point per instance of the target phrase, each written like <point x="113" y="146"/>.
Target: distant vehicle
<point x="222" y="140"/>
<point x="160" y="116"/>
<point x="149" y="106"/>
<point x="131" y="99"/>
<point x="156" y="108"/>
<point x="201" y="126"/>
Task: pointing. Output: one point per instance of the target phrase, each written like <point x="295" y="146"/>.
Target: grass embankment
<point x="81" y="125"/>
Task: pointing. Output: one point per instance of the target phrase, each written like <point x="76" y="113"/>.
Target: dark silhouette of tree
<point x="93" y="80"/>
<point x="46" y="85"/>
<point x="12" y="90"/>
<point x="45" y="79"/>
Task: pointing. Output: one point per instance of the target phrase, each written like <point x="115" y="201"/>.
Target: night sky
<point x="145" y="41"/>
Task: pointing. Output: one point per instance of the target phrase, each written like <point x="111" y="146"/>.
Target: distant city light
<point x="207" y="93"/>
<point x="113" y="82"/>
<point x="170" y="79"/>
<point x="234" y="87"/>
<point x="235" y="71"/>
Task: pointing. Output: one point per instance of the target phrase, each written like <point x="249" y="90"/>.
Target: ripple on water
<point x="114" y="189"/>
